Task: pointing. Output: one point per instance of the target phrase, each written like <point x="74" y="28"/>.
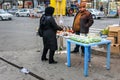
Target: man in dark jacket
<point x="49" y="29"/>
<point x="82" y="22"/>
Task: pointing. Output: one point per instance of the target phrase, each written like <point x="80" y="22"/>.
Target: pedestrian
<point x="81" y="24"/>
<point x="101" y="8"/>
<point x="49" y="29"/>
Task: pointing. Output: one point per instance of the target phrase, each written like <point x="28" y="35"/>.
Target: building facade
<point x="109" y="6"/>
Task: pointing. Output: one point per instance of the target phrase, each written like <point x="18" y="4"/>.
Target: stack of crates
<point x="114" y="36"/>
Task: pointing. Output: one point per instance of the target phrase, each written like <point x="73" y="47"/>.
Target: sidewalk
<point x="30" y="59"/>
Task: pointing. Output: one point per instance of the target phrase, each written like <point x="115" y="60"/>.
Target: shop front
<point x="6" y="5"/>
<point x="27" y="4"/>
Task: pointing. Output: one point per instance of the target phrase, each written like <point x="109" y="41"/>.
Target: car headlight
<point x="4" y="17"/>
<point x="11" y="15"/>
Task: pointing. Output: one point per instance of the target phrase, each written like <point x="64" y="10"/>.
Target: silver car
<point x="96" y="13"/>
<point x="5" y="15"/>
<point x="23" y="12"/>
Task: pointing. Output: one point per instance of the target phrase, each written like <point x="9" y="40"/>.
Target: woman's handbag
<point x="40" y="32"/>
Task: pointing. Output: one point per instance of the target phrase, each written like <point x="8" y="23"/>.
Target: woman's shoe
<point x="53" y="62"/>
<point x="44" y="59"/>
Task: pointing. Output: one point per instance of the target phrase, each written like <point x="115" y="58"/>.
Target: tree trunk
<point x="38" y="2"/>
<point x="32" y="3"/>
<point x="2" y="3"/>
<point x="23" y="3"/>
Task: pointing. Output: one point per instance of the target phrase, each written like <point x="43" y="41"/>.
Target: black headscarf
<point x="49" y="11"/>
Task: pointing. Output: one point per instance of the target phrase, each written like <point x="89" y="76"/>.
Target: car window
<point x="41" y="8"/>
<point x="2" y="12"/>
<point x="14" y="9"/>
<point x="90" y="10"/>
<point x="25" y="10"/>
<point x="95" y="10"/>
<point x="22" y="10"/>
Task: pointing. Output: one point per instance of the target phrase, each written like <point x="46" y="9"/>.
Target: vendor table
<point x="87" y="54"/>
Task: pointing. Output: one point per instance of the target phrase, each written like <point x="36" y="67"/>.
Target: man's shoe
<point x="44" y="59"/>
<point x="53" y="62"/>
<point x="74" y="51"/>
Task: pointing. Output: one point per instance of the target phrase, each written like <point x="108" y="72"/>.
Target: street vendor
<point x="82" y="22"/>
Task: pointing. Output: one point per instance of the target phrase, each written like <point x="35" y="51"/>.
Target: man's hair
<point x="82" y="4"/>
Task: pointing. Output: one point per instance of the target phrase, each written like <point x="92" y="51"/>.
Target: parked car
<point x="41" y="9"/>
<point x="96" y="13"/>
<point x="23" y="12"/>
<point x="12" y="11"/>
<point x="5" y="15"/>
<point x="34" y="14"/>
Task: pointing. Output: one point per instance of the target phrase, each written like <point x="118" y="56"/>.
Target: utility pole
<point x="94" y="4"/>
<point x="23" y="3"/>
<point x="16" y="3"/>
<point x="1" y="2"/>
<point x="35" y="2"/>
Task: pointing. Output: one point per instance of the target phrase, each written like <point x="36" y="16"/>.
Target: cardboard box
<point x="118" y="32"/>
<point x="118" y="37"/>
<point x="112" y="34"/>
<point x="114" y="28"/>
<point x="112" y="39"/>
<point x="115" y="48"/>
<point x="118" y="40"/>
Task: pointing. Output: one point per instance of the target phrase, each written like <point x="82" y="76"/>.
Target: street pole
<point x="35" y="3"/>
<point x="94" y="4"/>
<point x="16" y="3"/>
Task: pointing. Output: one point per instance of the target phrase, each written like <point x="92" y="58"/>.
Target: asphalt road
<point x="18" y="44"/>
<point x="20" y="33"/>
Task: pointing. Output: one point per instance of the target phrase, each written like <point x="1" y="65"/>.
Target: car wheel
<point x="99" y="17"/>
<point x="94" y="17"/>
<point x="10" y="18"/>
<point x="28" y="15"/>
<point x="1" y="18"/>
<point x="17" y="15"/>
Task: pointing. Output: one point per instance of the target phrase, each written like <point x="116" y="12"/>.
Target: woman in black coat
<point x="49" y="29"/>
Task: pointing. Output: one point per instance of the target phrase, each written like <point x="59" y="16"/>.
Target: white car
<point x="5" y="15"/>
<point x="96" y="13"/>
<point x="23" y="12"/>
<point x="41" y="9"/>
<point x="33" y="13"/>
<point x="12" y="11"/>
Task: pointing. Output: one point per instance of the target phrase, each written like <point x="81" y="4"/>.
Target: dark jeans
<point x="77" y="46"/>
